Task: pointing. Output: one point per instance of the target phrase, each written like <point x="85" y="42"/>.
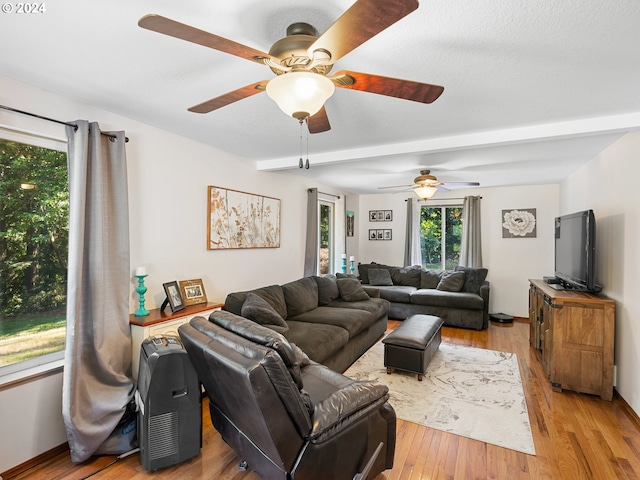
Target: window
<point x="326" y="243"/>
<point x="440" y="234"/>
<point x="34" y="226"/>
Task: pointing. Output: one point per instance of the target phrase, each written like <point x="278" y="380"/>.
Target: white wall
<point x="609" y="186"/>
<point x="168" y="179"/>
<point x="511" y="261"/>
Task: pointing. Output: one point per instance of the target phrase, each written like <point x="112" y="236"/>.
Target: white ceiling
<point x="533" y="88"/>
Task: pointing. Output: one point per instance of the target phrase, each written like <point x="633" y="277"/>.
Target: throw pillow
<point x="379" y="276"/>
<point x="473" y="278"/>
<point x="407" y="276"/>
<point x="451" y="281"/>
<point x="327" y="289"/>
<point x="300" y="296"/>
<point x="430" y="278"/>
<point x="257" y="309"/>
<point x="351" y="290"/>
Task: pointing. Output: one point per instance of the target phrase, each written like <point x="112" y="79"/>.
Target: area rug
<point x="466" y="391"/>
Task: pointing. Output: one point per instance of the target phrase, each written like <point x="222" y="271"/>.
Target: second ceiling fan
<point x="302" y="61"/>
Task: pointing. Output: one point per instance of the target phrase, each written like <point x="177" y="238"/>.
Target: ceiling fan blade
<point x="319" y="122"/>
<point x="398" y="186"/>
<point x="391" y="87"/>
<point x="462" y="184"/>
<point x="160" y="24"/>
<point x="362" y="21"/>
<point x="231" y="97"/>
<point x="442" y="188"/>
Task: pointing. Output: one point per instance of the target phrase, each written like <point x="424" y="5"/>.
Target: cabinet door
<point x="582" y="344"/>
<point x="548" y="320"/>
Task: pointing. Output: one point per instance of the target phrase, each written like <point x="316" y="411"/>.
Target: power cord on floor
<point x="116" y="460"/>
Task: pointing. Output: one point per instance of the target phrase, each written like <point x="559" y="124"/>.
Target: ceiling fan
<point x="302" y="61"/>
<point x="426" y="185"/>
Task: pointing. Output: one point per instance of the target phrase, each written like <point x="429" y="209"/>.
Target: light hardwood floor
<point x="576" y="436"/>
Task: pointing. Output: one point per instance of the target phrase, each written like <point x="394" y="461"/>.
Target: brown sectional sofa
<point x="460" y="296"/>
<point x="334" y="321"/>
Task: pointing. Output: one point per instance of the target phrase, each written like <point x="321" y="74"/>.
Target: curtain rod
<point x="15" y="110"/>
<point x="324" y="193"/>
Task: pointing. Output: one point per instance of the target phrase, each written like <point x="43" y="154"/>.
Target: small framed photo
<point x="379" y="234"/>
<point x="174" y="297"/>
<point x="386" y="234"/>
<point x="193" y="292"/>
<point x="388" y="215"/>
<point x="373" y="215"/>
<point x="380" y="215"/>
<point x="372" y="234"/>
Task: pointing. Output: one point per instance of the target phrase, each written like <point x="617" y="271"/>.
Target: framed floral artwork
<point x="519" y="223"/>
<point x="241" y="220"/>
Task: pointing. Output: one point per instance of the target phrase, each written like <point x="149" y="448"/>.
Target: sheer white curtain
<point x="471" y="247"/>
<point x="97" y="383"/>
<point x="412" y="250"/>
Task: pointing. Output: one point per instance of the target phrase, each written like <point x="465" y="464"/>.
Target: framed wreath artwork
<point x="519" y="223"/>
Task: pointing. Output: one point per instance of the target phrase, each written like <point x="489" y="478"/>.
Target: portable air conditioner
<point x="169" y="404"/>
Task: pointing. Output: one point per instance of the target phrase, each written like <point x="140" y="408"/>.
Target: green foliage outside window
<point x="441" y="235"/>
<point x="34" y="226"/>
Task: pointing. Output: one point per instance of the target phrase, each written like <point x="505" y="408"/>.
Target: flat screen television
<point x="575" y="249"/>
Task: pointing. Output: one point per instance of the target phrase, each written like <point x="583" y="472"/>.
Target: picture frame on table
<point x="174" y="297"/>
<point x="193" y="291"/>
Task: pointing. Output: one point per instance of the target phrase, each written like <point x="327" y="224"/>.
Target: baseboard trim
<point x="626" y="408"/>
<point x="43" y="457"/>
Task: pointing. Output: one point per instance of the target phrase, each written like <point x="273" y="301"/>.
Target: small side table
<point x="159" y="322"/>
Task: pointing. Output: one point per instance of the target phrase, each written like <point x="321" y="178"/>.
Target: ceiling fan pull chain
<point x="306" y="165"/>
<point x="300" y="164"/>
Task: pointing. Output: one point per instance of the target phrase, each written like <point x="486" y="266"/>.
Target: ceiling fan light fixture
<point x="300" y="94"/>
<point x="425" y="192"/>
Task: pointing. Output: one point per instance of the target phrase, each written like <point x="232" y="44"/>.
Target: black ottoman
<point x="413" y="344"/>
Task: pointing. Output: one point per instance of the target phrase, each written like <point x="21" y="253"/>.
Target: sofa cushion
<point x="327" y="289"/>
<point x="406" y="276"/>
<point x="397" y="293"/>
<point x="319" y="341"/>
<point x="451" y="281"/>
<point x="379" y="276"/>
<point x="300" y="296"/>
<point x="258" y="309"/>
<point x="430" y="278"/>
<point x="352" y="320"/>
<point x="473" y="278"/>
<point x="439" y="298"/>
<point x="272" y="294"/>
<point x="351" y="290"/>
<point x="377" y="307"/>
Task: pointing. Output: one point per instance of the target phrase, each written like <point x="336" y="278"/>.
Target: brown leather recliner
<point x="286" y="416"/>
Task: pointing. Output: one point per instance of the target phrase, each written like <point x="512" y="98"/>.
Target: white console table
<point x="159" y="322"/>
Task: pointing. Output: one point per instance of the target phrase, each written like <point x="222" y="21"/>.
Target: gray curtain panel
<point x="311" y="248"/>
<point x="97" y="382"/>
<point x="471" y="247"/>
<point x="412" y="252"/>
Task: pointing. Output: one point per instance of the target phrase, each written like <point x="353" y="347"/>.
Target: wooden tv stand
<point x="573" y="334"/>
